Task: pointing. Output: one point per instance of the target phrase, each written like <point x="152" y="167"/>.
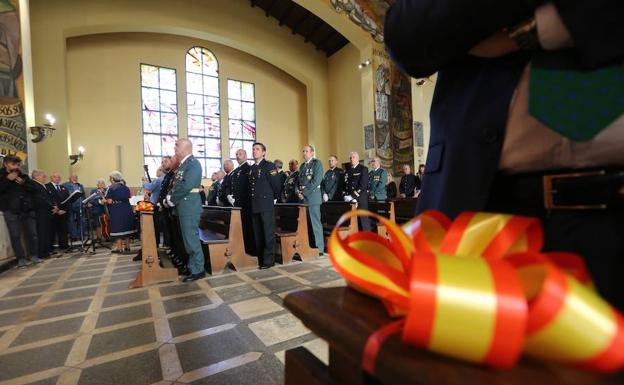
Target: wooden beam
<point x="270" y="8"/>
<point x="323" y="42"/>
<point x="300" y="22"/>
<point x="286" y="13"/>
<point x="318" y="25"/>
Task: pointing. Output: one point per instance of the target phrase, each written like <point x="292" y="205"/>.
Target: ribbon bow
<point x="479" y="289"/>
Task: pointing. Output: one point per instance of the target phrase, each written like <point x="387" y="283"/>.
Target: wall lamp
<point x="77" y="157"/>
<point x="365" y="63"/>
<point x="41" y="132"/>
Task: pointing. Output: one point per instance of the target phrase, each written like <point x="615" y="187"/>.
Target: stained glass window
<point x="203" y="108"/>
<point x="160" y="113"/>
<point x="241" y="116"/>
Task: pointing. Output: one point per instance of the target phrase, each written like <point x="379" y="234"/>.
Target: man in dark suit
<point x="290" y="188"/>
<point x="486" y="151"/>
<point x="241" y="193"/>
<point x="356" y="187"/>
<point x="282" y="175"/>
<point x="409" y="183"/>
<point x="331" y="186"/>
<point x="60" y="218"/>
<point x="45" y="209"/>
<point x="76" y="216"/>
<point x="225" y="193"/>
<point x="264" y="183"/>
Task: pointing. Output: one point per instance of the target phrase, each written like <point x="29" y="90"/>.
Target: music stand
<point x="73" y="197"/>
<point x="93" y="241"/>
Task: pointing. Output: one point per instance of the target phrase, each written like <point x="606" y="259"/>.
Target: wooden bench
<point x="331" y="213"/>
<point x="291" y="228"/>
<point x="346" y="318"/>
<point x="222" y="233"/>
<point x="386" y="210"/>
<point x="404" y="210"/>
<point x="151" y="272"/>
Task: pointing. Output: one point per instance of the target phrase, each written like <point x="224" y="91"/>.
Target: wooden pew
<point x="227" y="248"/>
<point x="404" y="210"/>
<point x="291" y="228"/>
<point x="331" y="212"/>
<point x="386" y="210"/>
<point x="346" y="319"/>
<point x="151" y="272"/>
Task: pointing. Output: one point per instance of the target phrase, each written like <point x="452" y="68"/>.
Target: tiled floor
<point x="73" y="320"/>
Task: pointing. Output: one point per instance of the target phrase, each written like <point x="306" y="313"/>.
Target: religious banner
<point x="13" y="137"/>
<point x="393" y="131"/>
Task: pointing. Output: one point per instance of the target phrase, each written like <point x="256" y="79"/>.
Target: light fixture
<point x="41" y="132"/>
<point x="77" y="157"/>
<point x="365" y="63"/>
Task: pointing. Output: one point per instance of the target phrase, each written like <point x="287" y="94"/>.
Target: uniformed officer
<point x="225" y="189"/>
<point x="408" y="183"/>
<point x="279" y="165"/>
<point x="240" y="198"/>
<point x="213" y="191"/>
<point x="290" y="189"/>
<point x="377" y="180"/>
<point x="310" y="178"/>
<point x="264" y="184"/>
<point x="184" y="198"/>
<point x="356" y="187"/>
<point x="331" y="186"/>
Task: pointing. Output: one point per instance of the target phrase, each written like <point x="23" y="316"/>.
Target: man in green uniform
<point x="184" y="198"/>
<point x="377" y="180"/>
<point x="331" y="186"/>
<point x="310" y="178"/>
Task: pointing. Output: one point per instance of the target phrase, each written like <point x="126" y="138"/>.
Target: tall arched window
<point x="159" y="108"/>
<point x="202" y="101"/>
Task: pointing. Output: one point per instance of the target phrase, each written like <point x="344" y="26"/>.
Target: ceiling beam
<point x="325" y="39"/>
<point x="286" y="13"/>
<point x="318" y="25"/>
<point x="300" y="22"/>
<point x="270" y="8"/>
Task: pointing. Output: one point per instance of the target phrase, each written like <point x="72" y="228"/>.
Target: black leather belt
<point x="574" y="190"/>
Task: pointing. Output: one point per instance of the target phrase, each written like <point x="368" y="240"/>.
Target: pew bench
<point x="222" y="233"/>
<point x="291" y="228"/>
<point x="346" y="318"/>
<point x="404" y="210"/>
<point x="384" y="209"/>
<point x="331" y="213"/>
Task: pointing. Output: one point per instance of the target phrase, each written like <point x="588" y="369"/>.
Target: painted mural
<point x="393" y="131"/>
<point x="13" y="139"/>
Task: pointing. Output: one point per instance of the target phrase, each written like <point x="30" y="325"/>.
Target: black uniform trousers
<point x="363" y="222"/>
<point x="264" y="234"/>
<point x="44" y="232"/>
<point x="59" y="231"/>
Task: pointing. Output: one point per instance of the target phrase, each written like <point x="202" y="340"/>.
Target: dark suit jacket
<point x="472" y="95"/>
<point x="240" y="185"/>
<point x="265" y="186"/>
<point x="225" y="189"/>
<point x="58" y="196"/>
<point x="44" y="198"/>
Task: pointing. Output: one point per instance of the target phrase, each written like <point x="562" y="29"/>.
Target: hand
<point x="61" y="212"/>
<point x="230" y="199"/>
<point x="274" y="201"/>
<point x="402" y="195"/>
<point x="348" y="198"/>
<point x="300" y="195"/>
<point x="19" y="180"/>
<point x="497" y="45"/>
<point x="325" y="197"/>
<point x="12" y="176"/>
<point x="55" y="210"/>
<point x="109" y="201"/>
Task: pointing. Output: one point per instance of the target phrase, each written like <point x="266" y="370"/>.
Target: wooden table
<point x="345" y="318"/>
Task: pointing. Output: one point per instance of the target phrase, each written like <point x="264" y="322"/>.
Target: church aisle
<point x="73" y="321"/>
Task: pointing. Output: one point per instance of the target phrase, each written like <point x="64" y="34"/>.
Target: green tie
<point x="577" y="104"/>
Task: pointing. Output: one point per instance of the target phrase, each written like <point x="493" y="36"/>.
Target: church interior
<point x="387" y="253"/>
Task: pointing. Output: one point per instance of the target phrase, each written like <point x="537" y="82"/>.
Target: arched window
<point x="159" y="108"/>
<point x="241" y="116"/>
<point x="202" y="101"/>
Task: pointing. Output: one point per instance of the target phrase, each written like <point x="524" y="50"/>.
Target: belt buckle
<point x="549" y="191"/>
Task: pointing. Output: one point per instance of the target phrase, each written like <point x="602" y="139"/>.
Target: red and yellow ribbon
<point x="479" y="289"/>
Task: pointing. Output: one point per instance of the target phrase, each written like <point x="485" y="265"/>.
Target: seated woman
<point x="122" y="221"/>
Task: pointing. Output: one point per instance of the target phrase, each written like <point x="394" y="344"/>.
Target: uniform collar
<point x="185" y="158"/>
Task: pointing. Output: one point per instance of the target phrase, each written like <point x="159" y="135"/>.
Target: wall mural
<point x="394" y="133"/>
<point x="13" y="139"/>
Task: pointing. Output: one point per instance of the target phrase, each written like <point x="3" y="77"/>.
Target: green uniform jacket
<point x="332" y="183"/>
<point x="186" y="178"/>
<point x="310" y="178"/>
<point x="377" y="180"/>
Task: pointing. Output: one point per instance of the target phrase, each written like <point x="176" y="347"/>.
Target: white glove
<point x="274" y="201"/>
<point x="325" y="197"/>
<point x="348" y="198"/>
<point x="218" y="201"/>
<point x="168" y="201"/>
<point x="230" y="199"/>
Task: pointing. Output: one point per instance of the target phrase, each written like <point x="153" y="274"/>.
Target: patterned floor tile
<point x="139" y="369"/>
<point x="279" y="329"/>
<point x="34" y="360"/>
<point x="201" y="320"/>
<point x="48" y="330"/>
<point x="127" y="314"/>
<point x="186" y="302"/>
<point x="121" y="339"/>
